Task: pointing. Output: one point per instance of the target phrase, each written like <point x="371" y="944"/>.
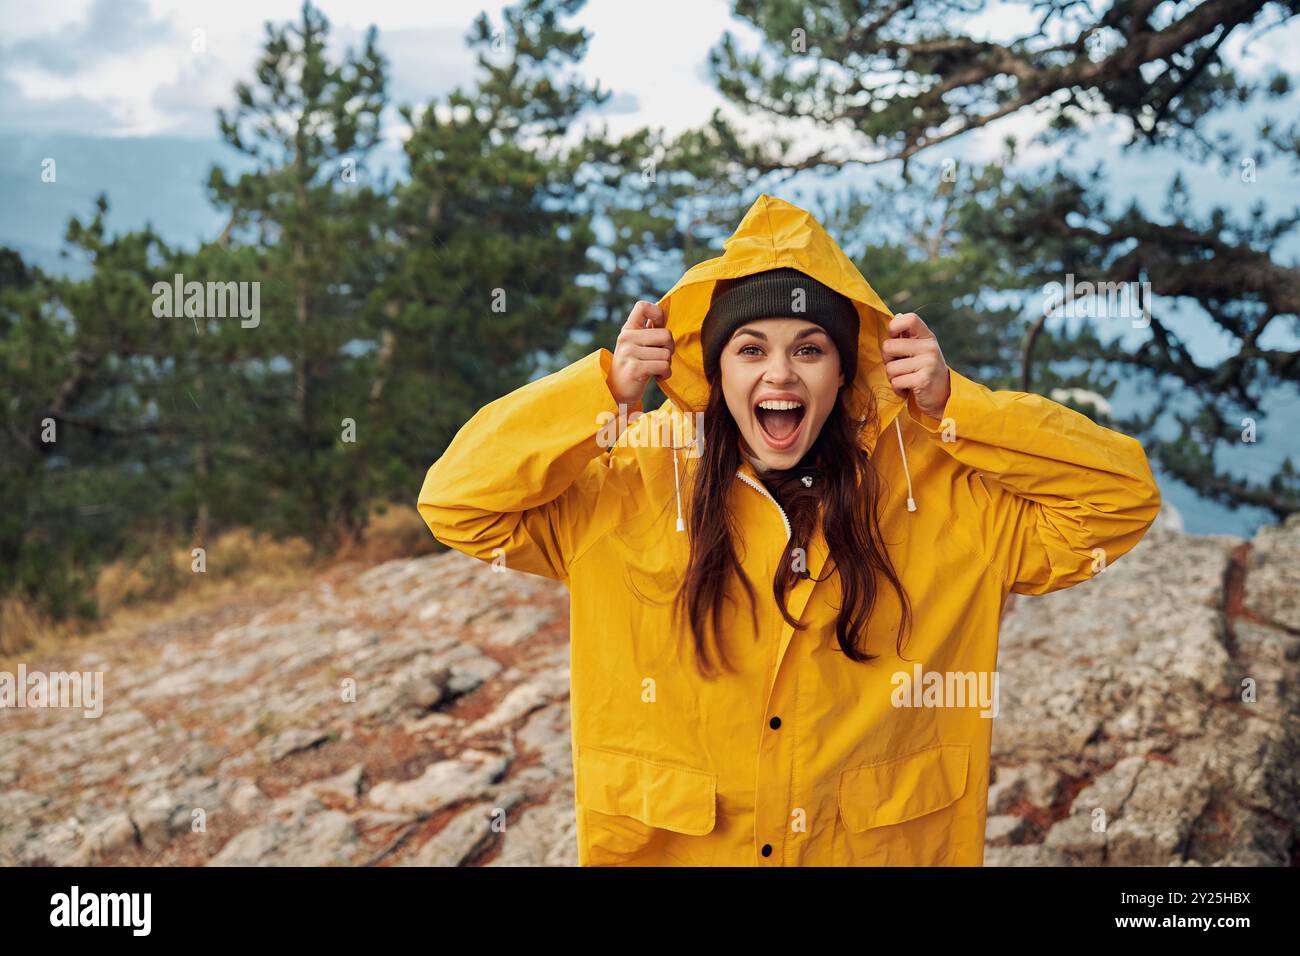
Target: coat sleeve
<point x="526" y="479"/>
<point x="1059" y="497"/>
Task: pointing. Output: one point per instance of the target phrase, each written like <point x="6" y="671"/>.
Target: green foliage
<point x="85" y="365"/>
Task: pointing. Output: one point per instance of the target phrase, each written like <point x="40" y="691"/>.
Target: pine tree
<point x="907" y="81"/>
<point x="305" y="206"/>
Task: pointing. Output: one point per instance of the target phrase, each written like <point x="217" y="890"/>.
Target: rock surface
<point x="416" y="713"/>
<point x="1151" y="716"/>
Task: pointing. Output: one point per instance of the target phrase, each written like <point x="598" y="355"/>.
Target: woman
<point x="784" y="630"/>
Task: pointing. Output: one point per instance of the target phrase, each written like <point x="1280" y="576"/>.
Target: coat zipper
<point x="763" y="491"/>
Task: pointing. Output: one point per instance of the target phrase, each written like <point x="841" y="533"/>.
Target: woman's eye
<point x="805" y="349"/>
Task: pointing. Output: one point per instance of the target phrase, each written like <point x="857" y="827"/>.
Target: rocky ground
<point x="416" y="713"/>
<point x="1152" y="715"/>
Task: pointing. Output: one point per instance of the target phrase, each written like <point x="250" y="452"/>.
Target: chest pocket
<point x="903" y="788"/>
<point x="645" y="794"/>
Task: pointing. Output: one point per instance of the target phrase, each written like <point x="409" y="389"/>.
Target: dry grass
<point x="168" y="583"/>
<point x="20" y="627"/>
<point x="394" y="531"/>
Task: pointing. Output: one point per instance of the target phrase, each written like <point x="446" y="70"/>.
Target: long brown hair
<point x="846" y="497"/>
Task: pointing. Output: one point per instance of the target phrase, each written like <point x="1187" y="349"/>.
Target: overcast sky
<point x="128" y="67"/>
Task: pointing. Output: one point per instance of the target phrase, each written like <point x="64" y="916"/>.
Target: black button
<point x="767" y="849"/>
<point x="774" y="723"/>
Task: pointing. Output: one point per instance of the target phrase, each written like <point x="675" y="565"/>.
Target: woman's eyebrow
<point x="811" y="330"/>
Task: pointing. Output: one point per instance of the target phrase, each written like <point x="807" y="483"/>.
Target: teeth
<point x="776" y="405"/>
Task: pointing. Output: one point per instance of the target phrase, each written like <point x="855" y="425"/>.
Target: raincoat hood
<point x="774" y="234"/>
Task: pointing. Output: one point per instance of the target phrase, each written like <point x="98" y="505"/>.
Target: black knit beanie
<point x="770" y="295"/>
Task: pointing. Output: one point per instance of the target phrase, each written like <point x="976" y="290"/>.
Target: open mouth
<point x="779" y="421"/>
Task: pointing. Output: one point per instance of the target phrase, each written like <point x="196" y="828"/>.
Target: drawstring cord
<point x="677" y="483"/>
<point x="911" y="502"/>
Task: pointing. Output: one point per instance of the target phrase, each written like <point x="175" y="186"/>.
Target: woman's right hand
<point x="644" y="350"/>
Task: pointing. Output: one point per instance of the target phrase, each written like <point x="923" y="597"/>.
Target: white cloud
<point x="128" y="68"/>
<point x="123" y="67"/>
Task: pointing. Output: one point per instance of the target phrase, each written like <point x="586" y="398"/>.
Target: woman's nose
<point x="779" y="370"/>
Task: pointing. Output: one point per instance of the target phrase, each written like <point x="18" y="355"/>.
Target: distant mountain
<point x="158" y="180"/>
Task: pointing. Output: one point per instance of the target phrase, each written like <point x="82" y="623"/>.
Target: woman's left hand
<point x="914" y="363"/>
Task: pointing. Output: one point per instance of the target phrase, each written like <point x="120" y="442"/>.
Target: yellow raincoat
<point x="801" y="757"/>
